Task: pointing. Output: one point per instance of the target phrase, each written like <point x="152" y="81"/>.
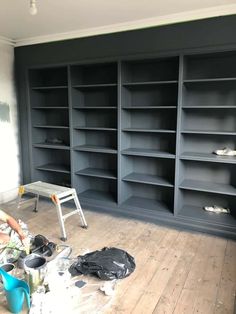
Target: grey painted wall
<point x="9" y="151"/>
<point x="209" y="34"/>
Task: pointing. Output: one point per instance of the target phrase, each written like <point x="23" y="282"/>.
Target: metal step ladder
<point x="59" y="195"/>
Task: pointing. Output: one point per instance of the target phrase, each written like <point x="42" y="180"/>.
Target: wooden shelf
<point x="51" y="126"/>
<point x="147" y="179"/>
<point x="148" y="107"/>
<point x="97" y="196"/>
<point x="52" y="146"/>
<point x="147" y="153"/>
<point x="95" y="148"/>
<point x="211" y="187"/>
<point x="148" y="130"/>
<point x="94" y="128"/>
<point x="87" y="86"/>
<point x="97" y="172"/>
<point x="199" y="214"/>
<point x="49" y="87"/>
<point x="94" y="107"/>
<point x="50" y="108"/>
<point x="146" y="203"/>
<point x="54" y="168"/>
<point x="207" y="157"/>
<point x="223" y="79"/>
<point x="208" y="132"/>
<point x="130" y="84"/>
<point x="208" y="107"/>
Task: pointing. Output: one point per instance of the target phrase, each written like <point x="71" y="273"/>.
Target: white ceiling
<point x="64" y="19"/>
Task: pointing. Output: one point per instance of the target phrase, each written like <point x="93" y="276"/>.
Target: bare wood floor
<point x="177" y="271"/>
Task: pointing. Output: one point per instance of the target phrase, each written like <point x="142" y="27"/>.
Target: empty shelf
<point x="97" y="196"/>
<point x="130" y="84"/>
<point x="50" y="108"/>
<point x="97" y="172"/>
<point x="148" y="130"/>
<point x="147" y="179"/>
<point x="93" y="148"/>
<point x="209" y="107"/>
<point x="94" y="107"/>
<point x="54" y="168"/>
<point x="211" y="187"/>
<point x="94" y="128"/>
<point x="148" y="107"/>
<point x="49" y="87"/>
<point x="95" y="85"/>
<point x="208" y="132"/>
<point x="147" y="153"/>
<point x="146" y="204"/>
<point x="51" y="126"/>
<point x="53" y="146"/>
<point x="220" y="79"/>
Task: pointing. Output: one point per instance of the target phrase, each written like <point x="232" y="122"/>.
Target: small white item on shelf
<point x="217" y="209"/>
<point x="225" y="152"/>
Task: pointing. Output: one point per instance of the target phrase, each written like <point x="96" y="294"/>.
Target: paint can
<point x="35" y="267"/>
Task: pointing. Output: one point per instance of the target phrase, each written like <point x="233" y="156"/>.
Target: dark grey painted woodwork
<point x="137" y="124"/>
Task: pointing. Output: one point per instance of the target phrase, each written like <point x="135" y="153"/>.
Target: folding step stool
<point x="59" y="195"/>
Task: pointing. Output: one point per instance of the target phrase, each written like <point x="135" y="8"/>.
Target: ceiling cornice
<point x="138" y="24"/>
<point x="7" y="41"/>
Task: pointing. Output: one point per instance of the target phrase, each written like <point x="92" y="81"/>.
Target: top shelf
<point x="210" y="67"/>
<point x="94" y="75"/>
<point x="48" y="78"/>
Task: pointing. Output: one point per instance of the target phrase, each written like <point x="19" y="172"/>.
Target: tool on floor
<point x="59" y="195"/>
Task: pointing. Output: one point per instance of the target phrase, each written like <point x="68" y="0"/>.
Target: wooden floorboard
<point x="176" y="271"/>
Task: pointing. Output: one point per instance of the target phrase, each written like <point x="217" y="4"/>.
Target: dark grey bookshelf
<point x="94" y="122"/>
<point x="148" y="127"/>
<point x="49" y="115"/>
<point x="206" y="179"/>
<point x="137" y="137"/>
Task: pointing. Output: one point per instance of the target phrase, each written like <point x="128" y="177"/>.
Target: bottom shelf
<point x="146" y="204"/>
<point x="98" y="196"/>
<point x="198" y="213"/>
<point x="58" y="178"/>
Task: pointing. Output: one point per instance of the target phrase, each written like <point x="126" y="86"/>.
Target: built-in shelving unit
<point x="138" y="136"/>
<point x="50" y="127"/>
<point x="94" y="103"/>
<point x="149" y="100"/>
<point x="208" y="124"/>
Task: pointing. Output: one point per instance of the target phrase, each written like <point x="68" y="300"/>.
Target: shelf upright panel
<point x="119" y="139"/>
<point x="70" y="102"/>
<point x="178" y="134"/>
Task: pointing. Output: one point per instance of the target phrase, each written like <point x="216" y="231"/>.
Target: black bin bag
<point x="107" y="264"/>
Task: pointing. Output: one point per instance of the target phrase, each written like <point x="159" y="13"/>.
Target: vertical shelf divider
<point x="119" y="78"/>
<point x="71" y="126"/>
<point x="178" y="134"/>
